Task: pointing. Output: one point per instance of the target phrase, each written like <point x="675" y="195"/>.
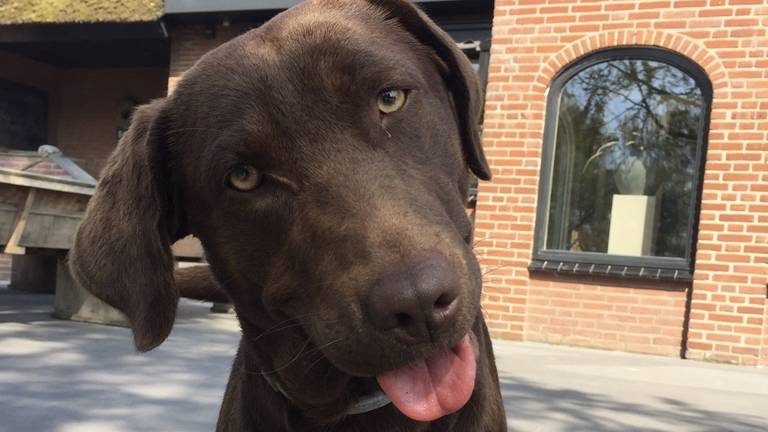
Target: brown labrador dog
<point x="322" y="160"/>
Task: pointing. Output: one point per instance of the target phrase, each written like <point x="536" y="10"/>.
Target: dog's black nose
<point x="415" y="303"/>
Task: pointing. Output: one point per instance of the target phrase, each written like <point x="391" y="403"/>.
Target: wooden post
<point x="12" y="247"/>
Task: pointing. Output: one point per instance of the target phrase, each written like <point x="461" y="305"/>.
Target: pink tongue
<point x="434" y="387"/>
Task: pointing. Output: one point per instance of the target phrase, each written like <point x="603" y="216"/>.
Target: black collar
<point x="364" y="405"/>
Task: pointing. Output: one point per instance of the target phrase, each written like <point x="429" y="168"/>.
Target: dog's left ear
<point x="122" y="250"/>
<point x="461" y="78"/>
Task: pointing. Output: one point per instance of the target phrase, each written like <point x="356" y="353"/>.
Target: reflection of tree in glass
<point x="611" y="115"/>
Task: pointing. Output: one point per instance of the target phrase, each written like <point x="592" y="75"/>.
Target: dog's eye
<point x="392" y="100"/>
<point x="244" y="178"/>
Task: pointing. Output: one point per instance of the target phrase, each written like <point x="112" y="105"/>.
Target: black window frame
<point x="596" y="263"/>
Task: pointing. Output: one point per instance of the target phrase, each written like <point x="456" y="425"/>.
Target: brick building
<point x="583" y="96"/>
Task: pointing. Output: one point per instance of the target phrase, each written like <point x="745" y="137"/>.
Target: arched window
<point x="622" y="165"/>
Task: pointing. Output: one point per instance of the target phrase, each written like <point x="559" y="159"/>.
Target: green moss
<point x="79" y="11"/>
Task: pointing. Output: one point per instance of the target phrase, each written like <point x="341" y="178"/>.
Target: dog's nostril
<point x="403" y="320"/>
<point x="444" y="301"/>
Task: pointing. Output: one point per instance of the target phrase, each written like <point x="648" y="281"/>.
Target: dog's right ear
<point x="122" y="248"/>
<point x="461" y="77"/>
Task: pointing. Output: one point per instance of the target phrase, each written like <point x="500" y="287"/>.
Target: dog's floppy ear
<point x="122" y="248"/>
<point x="461" y="78"/>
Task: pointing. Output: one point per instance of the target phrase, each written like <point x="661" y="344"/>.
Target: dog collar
<point x="366" y="404"/>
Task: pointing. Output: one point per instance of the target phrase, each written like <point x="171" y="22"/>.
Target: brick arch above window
<point x="680" y="44"/>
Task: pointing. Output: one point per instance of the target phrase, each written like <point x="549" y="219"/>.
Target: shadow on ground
<point x="533" y="407"/>
<point x="66" y="376"/>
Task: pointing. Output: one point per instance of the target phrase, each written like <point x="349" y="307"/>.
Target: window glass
<point x="23" y="116"/>
<point x="624" y="166"/>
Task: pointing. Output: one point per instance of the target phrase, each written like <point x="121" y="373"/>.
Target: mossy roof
<point x="79" y="11"/>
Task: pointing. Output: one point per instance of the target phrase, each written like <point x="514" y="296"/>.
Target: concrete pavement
<point x="553" y="388"/>
<point x="64" y="376"/>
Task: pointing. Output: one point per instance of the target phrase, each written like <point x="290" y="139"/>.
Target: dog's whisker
<point x="494" y="269"/>
<point x="274" y="330"/>
<point x="302" y="352"/>
<point x="321" y="356"/>
<point x="286" y="321"/>
<point x="320" y="348"/>
<point x="477" y="242"/>
<point x="287" y="324"/>
<point x="291" y="361"/>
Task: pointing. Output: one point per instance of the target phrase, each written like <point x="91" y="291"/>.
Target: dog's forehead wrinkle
<point x="322" y="31"/>
<point x="334" y="12"/>
<point x="307" y="86"/>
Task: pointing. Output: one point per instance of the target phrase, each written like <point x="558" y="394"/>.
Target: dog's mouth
<point x="435" y="386"/>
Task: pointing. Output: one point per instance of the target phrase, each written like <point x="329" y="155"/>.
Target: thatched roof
<point x="79" y="11"/>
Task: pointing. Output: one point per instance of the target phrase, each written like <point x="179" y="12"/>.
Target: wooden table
<point x="39" y="216"/>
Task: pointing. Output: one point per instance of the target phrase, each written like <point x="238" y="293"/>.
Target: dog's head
<point x="322" y="160"/>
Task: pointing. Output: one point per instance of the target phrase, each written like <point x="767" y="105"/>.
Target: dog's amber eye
<point x="244" y="178"/>
<point x="392" y="100"/>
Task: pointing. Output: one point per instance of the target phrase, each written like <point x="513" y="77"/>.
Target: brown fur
<point x="348" y="197"/>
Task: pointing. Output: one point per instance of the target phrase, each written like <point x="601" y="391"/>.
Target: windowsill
<point x="616" y="270"/>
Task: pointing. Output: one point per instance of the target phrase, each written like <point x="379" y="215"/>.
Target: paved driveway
<point x="63" y="376"/>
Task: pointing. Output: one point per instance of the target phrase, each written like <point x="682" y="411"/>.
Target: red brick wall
<point x="89" y="113"/>
<point x="631" y="318"/>
<point x="533" y="40"/>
